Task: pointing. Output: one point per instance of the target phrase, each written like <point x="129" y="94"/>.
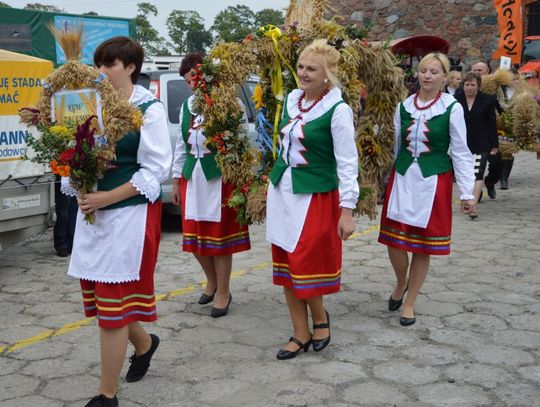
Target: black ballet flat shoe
<point x="221" y="312"/>
<point x="102" y="401"/>
<point x="320" y="344"/>
<point x="404" y="321"/>
<point x="393" y="305"/>
<point x="284" y="354"/>
<point x="205" y="299"/>
<point x="140" y="364"/>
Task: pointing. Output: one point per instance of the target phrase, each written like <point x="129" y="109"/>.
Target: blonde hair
<point x="452" y="75"/>
<point x="436" y="56"/>
<point x="329" y="56"/>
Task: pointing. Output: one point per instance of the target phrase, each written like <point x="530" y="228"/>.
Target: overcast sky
<point x="128" y="8"/>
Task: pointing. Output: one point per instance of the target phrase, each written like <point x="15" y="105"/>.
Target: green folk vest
<point x="208" y="162"/>
<point x="432" y="151"/>
<point x="125" y="165"/>
<point x="320" y="172"/>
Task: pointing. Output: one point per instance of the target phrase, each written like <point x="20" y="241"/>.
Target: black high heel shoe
<point x="284" y="354"/>
<point x="393" y="305"/>
<point x="406" y="321"/>
<point x="320" y="344"/>
<point x="205" y="299"/>
<point x="221" y="312"/>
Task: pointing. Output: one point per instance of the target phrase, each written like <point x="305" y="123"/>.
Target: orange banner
<point x="511" y="28"/>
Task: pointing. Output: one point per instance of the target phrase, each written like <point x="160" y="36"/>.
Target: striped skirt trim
<point x="412" y="242"/>
<point x="126" y="308"/>
<point x="282" y="274"/>
<point x="208" y="242"/>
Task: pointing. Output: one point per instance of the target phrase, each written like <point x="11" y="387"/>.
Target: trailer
<point x="26" y="188"/>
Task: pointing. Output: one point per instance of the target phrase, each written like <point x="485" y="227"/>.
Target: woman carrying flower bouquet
<point x="311" y="197"/>
<point x="115" y="257"/>
<point x="417" y="211"/>
<point x="209" y="226"/>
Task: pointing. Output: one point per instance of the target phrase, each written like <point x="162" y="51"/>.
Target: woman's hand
<point x="176" y="191"/>
<point x="494" y="151"/>
<point x="93" y="201"/>
<point x="346" y="225"/>
<point x="468" y="206"/>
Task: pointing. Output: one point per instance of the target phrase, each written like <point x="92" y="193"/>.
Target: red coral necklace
<point x="307" y="109"/>
<point x="415" y="100"/>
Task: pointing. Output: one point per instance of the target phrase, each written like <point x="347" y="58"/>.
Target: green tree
<point x="5" y="5"/>
<point x="90" y="13"/>
<point x="42" y="7"/>
<point x="269" y="16"/>
<point x="234" y="23"/>
<point x="187" y="32"/>
<point x="147" y="35"/>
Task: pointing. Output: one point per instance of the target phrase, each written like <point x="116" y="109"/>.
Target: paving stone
<point x="476" y="322"/>
<point x="531" y="373"/>
<point x="387" y="337"/>
<point x="31" y="401"/>
<point x="438" y="309"/>
<point x="486" y="376"/>
<point x="10" y="365"/>
<point x="530" y="322"/>
<point x="432" y="355"/>
<point x="501" y="355"/>
<point x="336" y="373"/>
<point x="374" y="393"/>
<point x="56" y="367"/>
<point x="405" y="372"/>
<point x="453" y="395"/>
<point x="526" y="340"/>
<point x="518" y="394"/>
<point x="16" y="385"/>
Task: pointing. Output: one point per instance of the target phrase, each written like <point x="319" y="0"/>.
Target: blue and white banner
<point x="95" y="31"/>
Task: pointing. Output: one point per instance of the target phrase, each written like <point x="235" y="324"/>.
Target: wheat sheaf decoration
<point x="272" y="53"/>
<point x="118" y="115"/>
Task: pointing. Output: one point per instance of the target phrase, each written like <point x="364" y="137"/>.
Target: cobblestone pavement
<point x="475" y="343"/>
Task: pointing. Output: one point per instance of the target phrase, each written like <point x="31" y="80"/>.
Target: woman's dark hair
<point x="472" y="76"/>
<point x="190" y="61"/>
<point x="122" y="48"/>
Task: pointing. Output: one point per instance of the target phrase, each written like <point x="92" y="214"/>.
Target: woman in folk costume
<point x="115" y="258"/>
<point x="210" y="229"/>
<point x="312" y="194"/>
<point x="417" y="211"/>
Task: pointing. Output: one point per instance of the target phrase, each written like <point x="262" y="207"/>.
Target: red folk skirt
<point x="119" y="304"/>
<point x="314" y="268"/>
<point x="435" y="238"/>
<point x="214" y="238"/>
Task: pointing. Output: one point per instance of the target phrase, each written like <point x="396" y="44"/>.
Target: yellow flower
<point x="258" y="97"/>
<point x="61" y="131"/>
<point x="137" y="119"/>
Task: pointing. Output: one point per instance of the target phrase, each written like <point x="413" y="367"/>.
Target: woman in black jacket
<point x="480" y="119"/>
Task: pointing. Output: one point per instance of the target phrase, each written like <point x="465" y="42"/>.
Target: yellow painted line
<point x="72" y="326"/>
<point x="365" y="231"/>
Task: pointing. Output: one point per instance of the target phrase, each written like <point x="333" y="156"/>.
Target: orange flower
<point x="61" y="170"/>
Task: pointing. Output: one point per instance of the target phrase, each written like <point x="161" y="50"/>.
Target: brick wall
<point x="469" y="25"/>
